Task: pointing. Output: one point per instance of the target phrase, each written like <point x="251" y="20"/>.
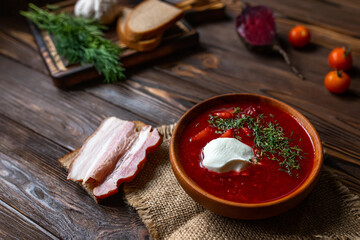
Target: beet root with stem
<point x="256" y="28"/>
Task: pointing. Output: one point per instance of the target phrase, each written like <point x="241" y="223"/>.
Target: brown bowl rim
<point x="302" y="188"/>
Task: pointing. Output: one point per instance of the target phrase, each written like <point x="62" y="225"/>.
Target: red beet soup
<point x="283" y="150"/>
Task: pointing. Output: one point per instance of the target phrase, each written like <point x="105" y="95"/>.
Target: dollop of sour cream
<point x="227" y="154"/>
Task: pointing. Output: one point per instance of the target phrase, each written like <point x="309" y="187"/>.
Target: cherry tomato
<point x="299" y="36"/>
<point x="340" y="58"/>
<point x="337" y="81"/>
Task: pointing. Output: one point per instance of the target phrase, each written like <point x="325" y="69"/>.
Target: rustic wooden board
<point x="178" y="38"/>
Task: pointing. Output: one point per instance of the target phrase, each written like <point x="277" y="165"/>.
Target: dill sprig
<point x="227" y="123"/>
<point x="269" y="138"/>
<point x="80" y="40"/>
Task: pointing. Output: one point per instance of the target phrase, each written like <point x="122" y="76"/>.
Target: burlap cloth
<point x="330" y="212"/>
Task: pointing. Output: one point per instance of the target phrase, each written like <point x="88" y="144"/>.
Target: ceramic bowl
<point x="236" y="209"/>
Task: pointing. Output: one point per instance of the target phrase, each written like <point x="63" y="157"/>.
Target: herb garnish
<point x="269" y="138"/>
<point x="236" y="110"/>
<point x="80" y="40"/>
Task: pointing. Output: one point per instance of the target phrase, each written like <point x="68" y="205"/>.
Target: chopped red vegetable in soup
<point x="283" y="152"/>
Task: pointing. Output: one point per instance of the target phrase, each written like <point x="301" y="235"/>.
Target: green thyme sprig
<point x="80" y="40"/>
<point x="269" y="138"/>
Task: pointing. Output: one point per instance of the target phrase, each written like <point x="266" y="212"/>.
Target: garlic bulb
<point x="104" y="11"/>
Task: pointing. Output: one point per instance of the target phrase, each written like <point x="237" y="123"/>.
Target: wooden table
<point x="40" y="123"/>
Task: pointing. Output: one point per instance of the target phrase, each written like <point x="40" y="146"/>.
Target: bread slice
<point x="66" y="161"/>
<point x="149" y="19"/>
<point x="141" y="46"/>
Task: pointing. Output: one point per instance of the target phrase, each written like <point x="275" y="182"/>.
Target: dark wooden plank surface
<point x="40" y="123"/>
<point x="23" y="225"/>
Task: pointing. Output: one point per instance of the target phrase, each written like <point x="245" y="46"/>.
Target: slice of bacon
<point x="115" y="150"/>
<point x="130" y="164"/>
<point x="101" y="150"/>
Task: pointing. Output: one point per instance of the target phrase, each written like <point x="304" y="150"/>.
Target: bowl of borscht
<point x="246" y="156"/>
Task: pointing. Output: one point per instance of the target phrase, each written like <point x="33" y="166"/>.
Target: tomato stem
<point x="347" y="51"/>
<point x="339" y="73"/>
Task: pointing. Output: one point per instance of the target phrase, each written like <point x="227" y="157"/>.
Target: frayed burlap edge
<point x="350" y="199"/>
<point x="139" y="203"/>
<point x="144" y="213"/>
<point x="166" y="131"/>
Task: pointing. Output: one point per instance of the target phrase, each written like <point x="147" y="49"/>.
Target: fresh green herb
<point x="197" y="124"/>
<point x="80" y="40"/>
<point x="269" y="138"/>
<point x="228" y="123"/>
<point x="219" y="132"/>
<point x="238" y="137"/>
<point x="236" y="110"/>
<point x="52" y="7"/>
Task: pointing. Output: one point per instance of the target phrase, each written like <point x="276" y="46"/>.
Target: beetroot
<point x="256" y="28"/>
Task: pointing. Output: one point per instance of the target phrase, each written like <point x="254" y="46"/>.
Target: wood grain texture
<point x="338" y="15"/>
<point x="154" y="95"/>
<point x="11" y="219"/>
<point x="40" y="123"/>
<point x="54" y="199"/>
<point x="17" y="42"/>
<point x="66" y="117"/>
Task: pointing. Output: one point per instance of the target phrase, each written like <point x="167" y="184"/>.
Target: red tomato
<point x="340" y="58"/>
<point x="337" y="81"/>
<point x="299" y="36"/>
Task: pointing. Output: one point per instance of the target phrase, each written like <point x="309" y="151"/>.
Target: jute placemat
<point x="330" y="212"/>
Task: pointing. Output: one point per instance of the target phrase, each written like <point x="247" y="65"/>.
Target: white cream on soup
<point x="227" y="154"/>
